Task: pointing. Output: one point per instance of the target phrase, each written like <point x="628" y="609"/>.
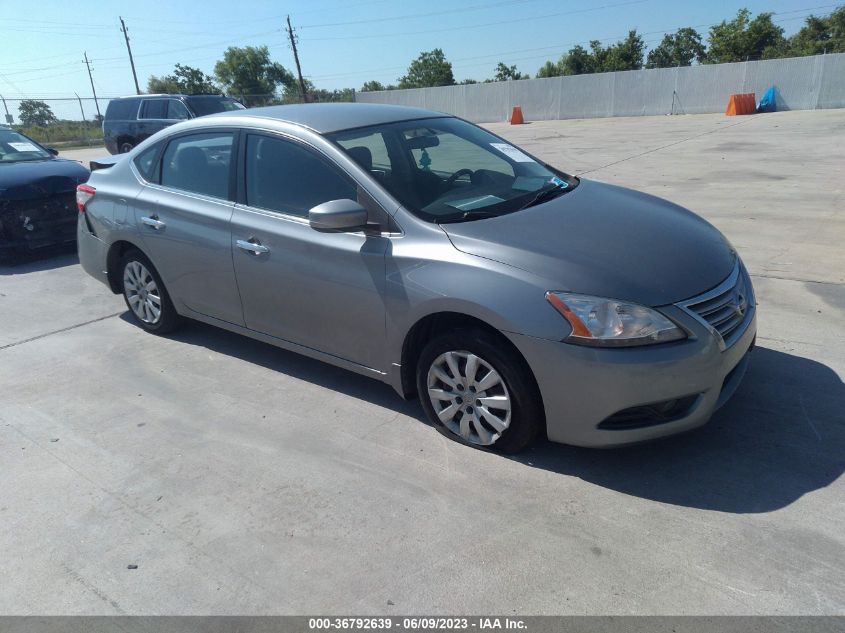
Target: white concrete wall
<point x="803" y="83"/>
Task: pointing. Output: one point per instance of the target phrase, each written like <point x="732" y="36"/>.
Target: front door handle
<point x="254" y="247"/>
<point x="153" y="221"/>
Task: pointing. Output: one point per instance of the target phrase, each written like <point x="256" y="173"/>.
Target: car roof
<point x="173" y="94"/>
<point x="325" y="118"/>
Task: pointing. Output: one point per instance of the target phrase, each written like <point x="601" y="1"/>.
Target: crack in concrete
<point x="59" y="331"/>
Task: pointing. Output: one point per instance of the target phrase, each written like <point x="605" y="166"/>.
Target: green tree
<point x="578" y="61"/>
<point x="549" y="69"/>
<point x="291" y="94"/>
<point x="429" y="69"/>
<point x="248" y="72"/>
<point x="507" y="73"/>
<point x="743" y="39"/>
<point x="184" y="79"/>
<point x="372" y="86"/>
<point x="626" y="54"/>
<point x="819" y="35"/>
<point x="681" y="48"/>
<point x="35" y="113"/>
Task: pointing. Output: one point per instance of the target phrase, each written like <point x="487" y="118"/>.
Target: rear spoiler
<point x="104" y="163"/>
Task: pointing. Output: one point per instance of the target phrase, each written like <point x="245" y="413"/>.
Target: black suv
<point x="130" y="120"/>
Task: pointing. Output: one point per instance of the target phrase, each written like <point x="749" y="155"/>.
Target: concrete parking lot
<point x="243" y="479"/>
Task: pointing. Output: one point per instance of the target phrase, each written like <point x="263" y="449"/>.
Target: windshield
<point x="16" y="147"/>
<point x="448" y="170"/>
<point x="213" y="105"/>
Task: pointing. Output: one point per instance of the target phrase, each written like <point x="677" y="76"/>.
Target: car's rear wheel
<point x="479" y="392"/>
<point x="145" y="294"/>
<point x="126" y="147"/>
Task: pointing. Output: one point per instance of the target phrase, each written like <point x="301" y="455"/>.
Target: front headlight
<point x="607" y="322"/>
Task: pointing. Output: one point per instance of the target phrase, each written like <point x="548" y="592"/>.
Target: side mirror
<point x="338" y="215"/>
<point x="52" y="150"/>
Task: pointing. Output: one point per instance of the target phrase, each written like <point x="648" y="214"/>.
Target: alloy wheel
<point x="142" y="292"/>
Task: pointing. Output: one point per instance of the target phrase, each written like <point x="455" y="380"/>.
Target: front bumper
<point x="27" y="225"/>
<point x="582" y="387"/>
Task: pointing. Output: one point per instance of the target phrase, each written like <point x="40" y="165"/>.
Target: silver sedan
<point x="413" y="247"/>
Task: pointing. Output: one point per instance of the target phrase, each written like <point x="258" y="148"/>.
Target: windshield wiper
<point x="468" y="215"/>
<point x="544" y="194"/>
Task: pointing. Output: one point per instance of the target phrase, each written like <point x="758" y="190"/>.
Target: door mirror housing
<point x="338" y="215"/>
<point x="52" y="150"/>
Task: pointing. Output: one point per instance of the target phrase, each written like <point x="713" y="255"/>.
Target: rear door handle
<point x="254" y="247"/>
<point x="153" y="221"/>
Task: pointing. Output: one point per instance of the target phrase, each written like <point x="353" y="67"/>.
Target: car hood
<point x="27" y="180"/>
<point x="606" y="241"/>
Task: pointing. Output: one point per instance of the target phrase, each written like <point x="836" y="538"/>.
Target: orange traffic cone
<point x="516" y="116"/>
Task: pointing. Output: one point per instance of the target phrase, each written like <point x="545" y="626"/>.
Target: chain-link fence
<point x="71" y="121"/>
<point x="58" y="121"/>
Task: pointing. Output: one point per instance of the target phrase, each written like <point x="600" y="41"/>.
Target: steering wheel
<point x="450" y="181"/>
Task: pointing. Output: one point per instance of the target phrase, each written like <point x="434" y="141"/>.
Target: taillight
<point x="83" y="194"/>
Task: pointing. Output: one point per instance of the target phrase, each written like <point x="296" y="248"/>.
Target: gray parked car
<point x="426" y="252"/>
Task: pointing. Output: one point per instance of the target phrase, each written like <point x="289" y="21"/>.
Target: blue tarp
<point x="769" y="101"/>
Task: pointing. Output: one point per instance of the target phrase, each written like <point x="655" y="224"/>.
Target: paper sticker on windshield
<point x="23" y="147"/>
<point x="468" y="204"/>
<point x="511" y="152"/>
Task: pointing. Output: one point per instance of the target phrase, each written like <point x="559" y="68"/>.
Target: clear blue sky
<point x="342" y="44"/>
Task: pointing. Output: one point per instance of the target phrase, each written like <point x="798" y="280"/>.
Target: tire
<point x="125" y="148"/>
<point x="507" y="413"/>
<point x="150" y="306"/>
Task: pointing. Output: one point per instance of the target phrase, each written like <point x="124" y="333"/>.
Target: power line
<point x="503" y="54"/>
<point x="477" y="26"/>
<point x="418" y="15"/>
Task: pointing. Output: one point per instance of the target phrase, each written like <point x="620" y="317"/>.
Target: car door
<point x="319" y="289"/>
<point x="184" y="219"/>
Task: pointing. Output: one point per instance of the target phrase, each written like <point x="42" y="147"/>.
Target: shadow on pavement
<point x="292" y="364"/>
<point x="42" y="259"/>
<point x="780" y="437"/>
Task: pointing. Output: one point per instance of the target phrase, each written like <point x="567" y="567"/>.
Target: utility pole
<point x="131" y="61"/>
<point x="296" y="59"/>
<point x="9" y="118"/>
<point x="96" y="103"/>
<point x="84" y="130"/>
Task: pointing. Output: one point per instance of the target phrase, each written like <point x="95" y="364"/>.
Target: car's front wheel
<point x="478" y="391"/>
<point x="145" y="294"/>
<point x="126" y="147"/>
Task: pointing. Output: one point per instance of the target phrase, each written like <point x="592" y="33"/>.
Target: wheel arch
<point x="115" y="253"/>
<point x="435" y="323"/>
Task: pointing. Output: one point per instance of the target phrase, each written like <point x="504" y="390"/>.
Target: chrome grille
<point x="727" y="309"/>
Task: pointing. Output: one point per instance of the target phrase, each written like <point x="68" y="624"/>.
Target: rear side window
<point x="198" y="163"/>
<point x="286" y="177"/>
<point x="153" y="109"/>
<point x="146" y="163"/>
<point x="122" y="109"/>
<point x="212" y="105"/>
<point x="177" y="110"/>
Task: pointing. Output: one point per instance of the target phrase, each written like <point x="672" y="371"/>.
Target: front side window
<point x="198" y="163"/>
<point x="286" y="177"/>
<point x="153" y="109"/>
<point x="447" y="170"/>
